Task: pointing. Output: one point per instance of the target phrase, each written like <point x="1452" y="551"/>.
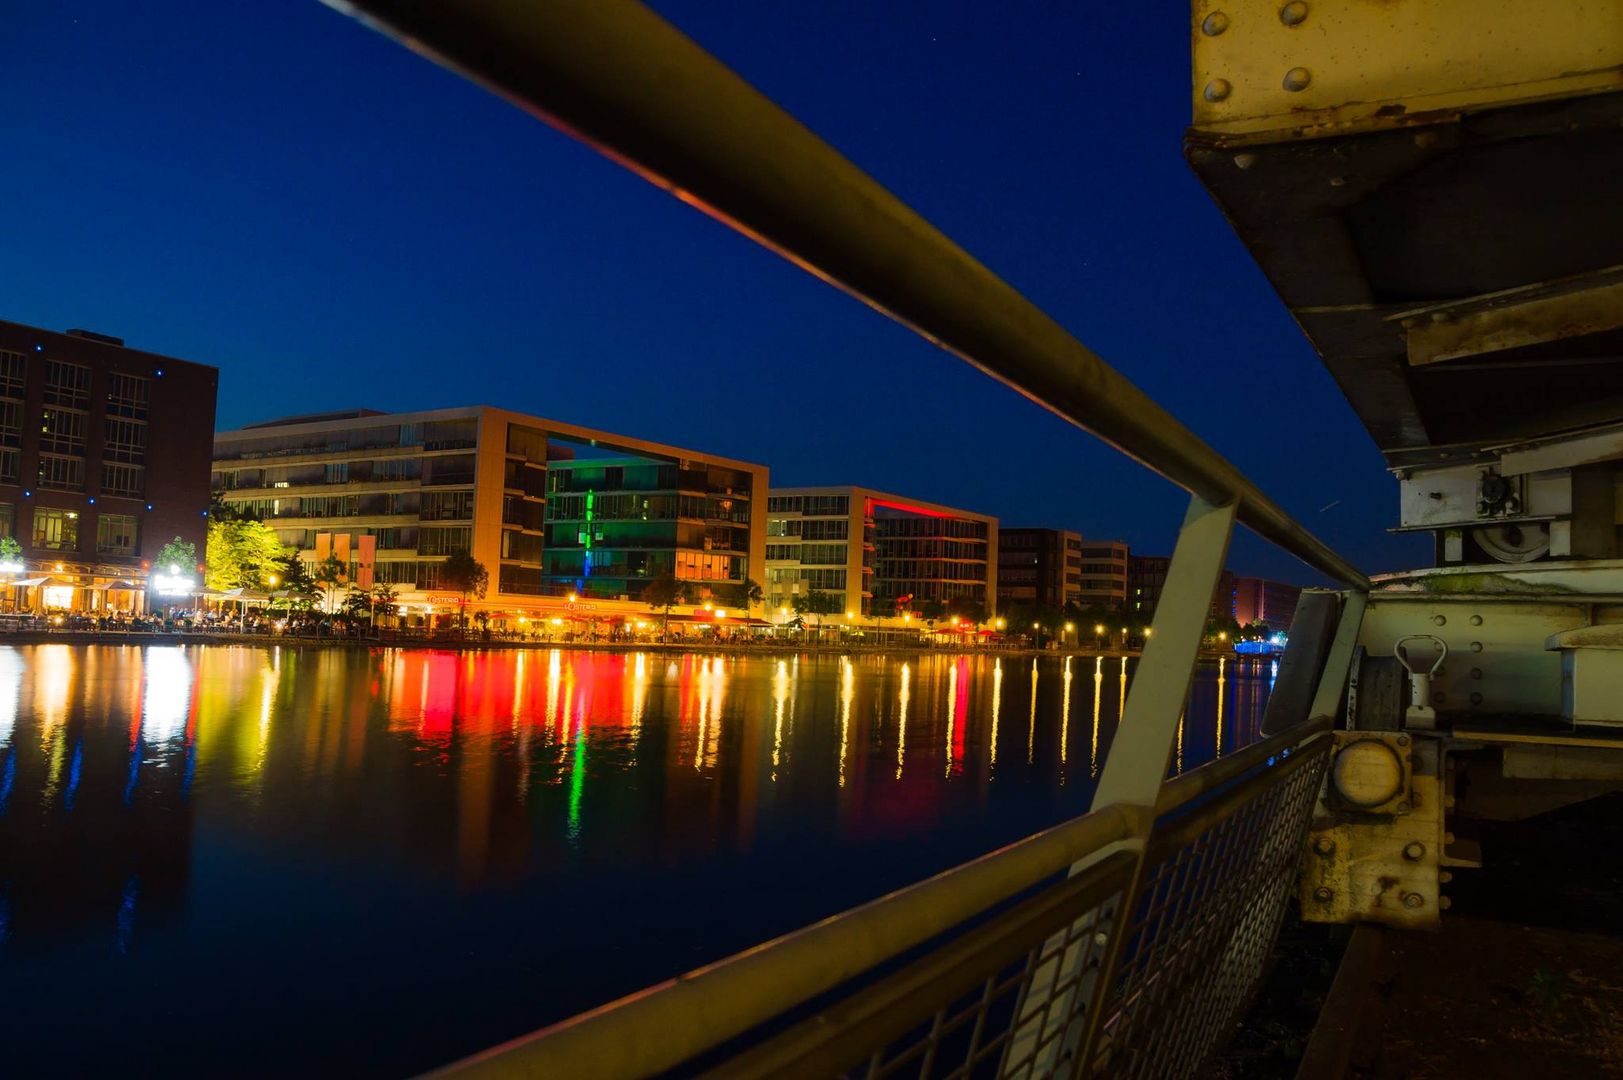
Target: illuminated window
<point x="62" y="431"/>
<point x="56" y="529"/>
<point x="115" y="534"/>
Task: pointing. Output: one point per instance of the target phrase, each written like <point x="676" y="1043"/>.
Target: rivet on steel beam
<point x="1476" y="673"/>
<point x="1323" y="895"/>
<point x="1445" y="876"/>
<point x="1214" y="24"/>
<point x="1476" y="646"/>
<point x="1440" y="620"/>
<point x="1338" y="181"/>
<point x="1218" y="89"/>
<point x="1244" y="161"/>
<point x="1444" y="902"/>
<point x="1402" y="808"/>
<point x="1413" y="900"/>
<point x="1101" y="939"/>
<point x="1324" y="845"/>
<point x="1476" y="699"/>
<point x="1403" y="740"/>
<point x="1476" y="620"/>
<point x="1296" y="79"/>
<point x="1414" y="851"/>
<point x="1293" y="13"/>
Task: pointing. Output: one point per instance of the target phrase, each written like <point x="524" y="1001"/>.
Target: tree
<point x="468" y="576"/>
<point x="752" y="593"/>
<point x="357" y="605"/>
<point x="970" y="611"/>
<point x="298" y="593"/>
<point x="662" y="594"/>
<point x="242" y="554"/>
<point x="179" y="556"/>
<point x="328" y="575"/>
<point x="10" y="550"/>
<point x="816" y="602"/>
<point x="385" y="601"/>
<point x="933" y="611"/>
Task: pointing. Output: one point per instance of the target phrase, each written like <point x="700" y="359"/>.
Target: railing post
<point x="1135" y="769"/>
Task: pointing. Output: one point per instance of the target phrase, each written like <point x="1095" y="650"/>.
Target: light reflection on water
<point x="295" y="849"/>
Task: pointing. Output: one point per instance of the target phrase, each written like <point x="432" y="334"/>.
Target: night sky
<point x="336" y="223"/>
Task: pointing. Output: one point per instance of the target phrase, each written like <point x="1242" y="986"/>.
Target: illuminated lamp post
<point x="1068" y="628"/>
<point x="1099" y="636"/>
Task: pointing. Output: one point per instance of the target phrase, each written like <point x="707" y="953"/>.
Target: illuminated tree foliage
<point x="242" y="555"/>
<point x="468" y="576"/>
<point x="179" y="555"/>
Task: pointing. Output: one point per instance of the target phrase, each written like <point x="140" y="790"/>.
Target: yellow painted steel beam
<point x="617" y="76"/>
<point x="1304" y="68"/>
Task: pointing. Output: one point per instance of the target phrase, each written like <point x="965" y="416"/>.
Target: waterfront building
<point x="1039" y="567"/>
<point x="1104" y="574"/>
<point x="871" y="549"/>
<point x="1147" y="576"/>
<point x="104" y="456"/>
<point x="1260" y="600"/>
<point x="568" y="521"/>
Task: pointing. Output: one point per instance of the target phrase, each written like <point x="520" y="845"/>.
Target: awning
<point x="29" y="583"/>
<point x="119" y="583"/>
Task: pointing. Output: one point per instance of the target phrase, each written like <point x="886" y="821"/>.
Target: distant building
<point x="1147" y="576"/>
<point x="1260" y="600"/>
<point x="1104" y="574"/>
<point x="553" y="511"/>
<point x="870" y="548"/>
<point x="1040" y="567"/>
<point x="104" y="456"/>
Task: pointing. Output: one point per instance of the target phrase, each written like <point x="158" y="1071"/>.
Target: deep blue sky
<point x="335" y="222"/>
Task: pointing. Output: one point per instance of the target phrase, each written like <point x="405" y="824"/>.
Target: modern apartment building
<point x="564" y="518"/>
<point x="871" y="549"/>
<point x="1147" y="576"/>
<point x="1260" y="600"/>
<point x="1104" y="574"/>
<point x="1039" y="567"/>
<point x="104" y="456"/>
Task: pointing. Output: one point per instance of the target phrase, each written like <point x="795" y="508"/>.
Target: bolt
<point x="1440" y="620"/>
<point x="1101" y="939"/>
<point x="1439" y="697"/>
<point x="1476" y="673"/>
<point x="1218" y="89"/>
<point x="1338" y="181"/>
<point x="1297" y="78"/>
<point x="1244" y="161"/>
<point x="1414" y="850"/>
<point x="1476" y="620"/>
<point x="1293" y="13"/>
<point x="1445" y="876"/>
<point x="1413" y="900"/>
<point x="1323" y="895"/>
<point x="1476" y="699"/>
<point x="1476" y="646"/>
<point x="1402" y="808"/>
<point x="1324" y="845"/>
<point x="1214" y="24"/>
<point x="1448" y="838"/>
<point x="1444" y="902"/>
<point x="1403" y="740"/>
<point x="1425" y="139"/>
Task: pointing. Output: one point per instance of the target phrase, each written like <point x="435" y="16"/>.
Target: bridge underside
<point x="1460" y="273"/>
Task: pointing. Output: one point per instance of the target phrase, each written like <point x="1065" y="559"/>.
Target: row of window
<point x="929" y="526"/>
<point x="822" y="580"/>
<point x="812" y="529"/>
<point x="810" y="505"/>
<point x="58" y="530"/>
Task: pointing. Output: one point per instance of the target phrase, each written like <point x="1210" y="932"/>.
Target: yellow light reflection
<point x="554" y="682"/>
<point x="168" y="676"/>
<point x="11" y="688"/>
<point x="780" y="699"/>
<point x="1065" y="720"/>
<point x="1098" y="693"/>
<point x="847" y="693"/>
<point x="51" y="686"/>
<point x="1179" y="769"/>
<point x="639" y="699"/>
<point x="1221" y="663"/>
<point x="1031" y="722"/>
<point x="901" y="726"/>
<point x="1121" y="706"/>
<point x="997" y="702"/>
<point x="952" y="709"/>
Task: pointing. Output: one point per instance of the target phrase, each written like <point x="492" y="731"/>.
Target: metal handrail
<point x="617" y="76"/>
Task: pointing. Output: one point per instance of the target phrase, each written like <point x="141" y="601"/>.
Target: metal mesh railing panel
<point x="1205" y="918"/>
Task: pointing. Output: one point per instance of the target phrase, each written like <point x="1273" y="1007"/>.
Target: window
<point x="13" y="372"/>
<point x="125" y="440"/>
<point x="127" y="396"/>
<point x="56" y="529"/>
<point x="446" y="506"/>
<point x="8" y="519"/>
<point x="776" y="552"/>
<point x="396" y="573"/>
<point x="62" y="431"/>
<point x="115" y="534"/>
<point x="11" y="423"/>
<point x="11" y="466"/>
<point x="67" y="384"/>
<point x="123" y="480"/>
<point x="62" y="473"/>
<point x="336" y="472"/>
<point x="440" y="540"/>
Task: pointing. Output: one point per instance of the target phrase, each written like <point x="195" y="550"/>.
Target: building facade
<point x="872" y="549"/>
<point x="1104" y="574"/>
<point x="1147" y="576"/>
<point x="1039" y="567"/>
<point x="1260" y="600"/>
<point x="104" y="456"/>
<point x="564" y="518"/>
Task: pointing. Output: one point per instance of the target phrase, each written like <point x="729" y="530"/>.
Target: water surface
<point x="280" y="860"/>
